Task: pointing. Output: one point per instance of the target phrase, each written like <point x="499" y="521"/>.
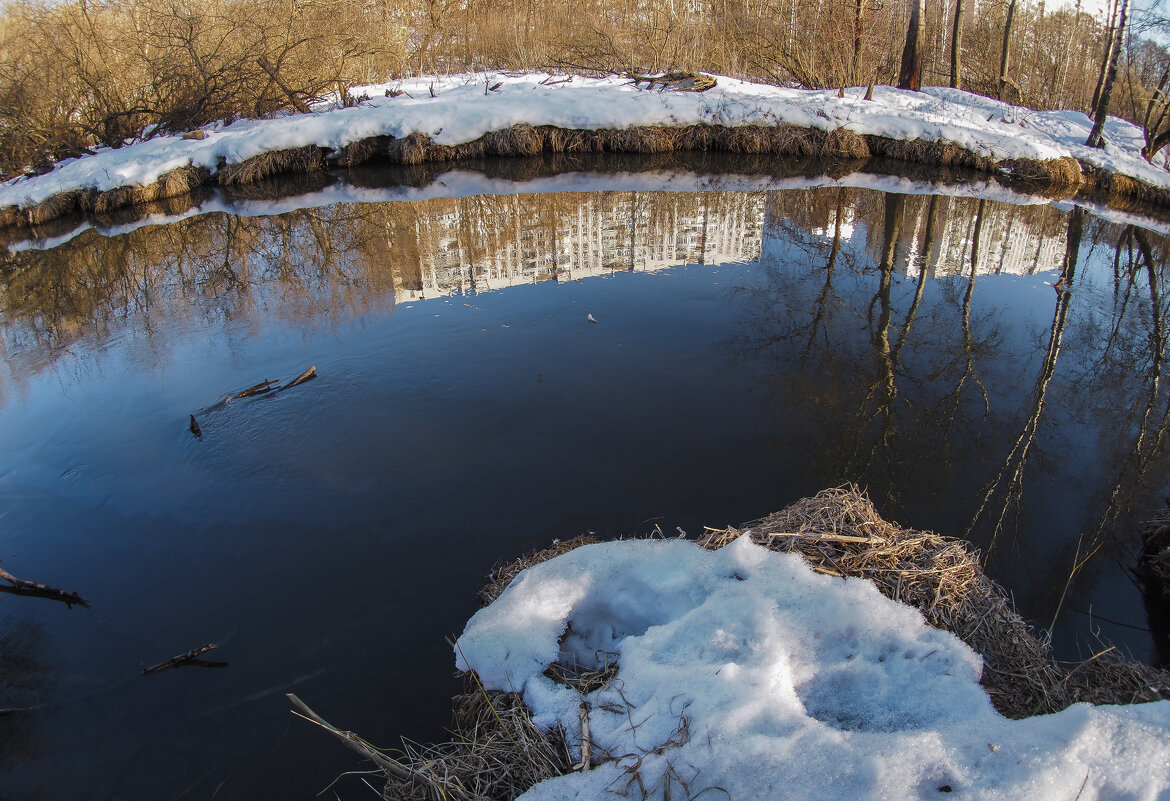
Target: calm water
<point x="751" y="347"/>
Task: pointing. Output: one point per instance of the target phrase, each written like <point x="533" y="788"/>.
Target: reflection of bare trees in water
<point x="311" y="266"/>
<point x="1144" y="264"/>
<point x="27" y="681"/>
<point x="1004" y="493"/>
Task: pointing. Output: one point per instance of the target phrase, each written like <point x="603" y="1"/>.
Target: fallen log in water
<point x="35" y="588"/>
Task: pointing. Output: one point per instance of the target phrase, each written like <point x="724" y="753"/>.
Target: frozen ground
<point x="463" y="110"/>
<point x="745" y="675"/>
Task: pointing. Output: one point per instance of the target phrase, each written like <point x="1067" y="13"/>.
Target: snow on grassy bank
<point x="742" y="673"/>
<point x="462" y="111"/>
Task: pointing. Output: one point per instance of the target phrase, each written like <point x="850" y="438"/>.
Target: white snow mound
<point x="745" y="675"/>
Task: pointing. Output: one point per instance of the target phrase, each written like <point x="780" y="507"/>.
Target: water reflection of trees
<point x="27" y="681"/>
<point x="313" y="266"/>
<point x="917" y="388"/>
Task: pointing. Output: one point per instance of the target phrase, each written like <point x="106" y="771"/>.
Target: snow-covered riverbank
<point x="463" y="110"/>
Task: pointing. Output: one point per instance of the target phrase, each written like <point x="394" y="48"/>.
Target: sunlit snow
<point x="744" y="674"/>
<point x="462" y="110"/>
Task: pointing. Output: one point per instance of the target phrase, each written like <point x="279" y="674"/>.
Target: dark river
<point x="985" y="369"/>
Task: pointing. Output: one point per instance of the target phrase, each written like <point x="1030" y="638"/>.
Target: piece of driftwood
<point x="675" y="81"/>
<point x="308" y="375"/>
<point x="267" y="385"/>
<point x="191" y="658"/>
<point x="35" y="588"/>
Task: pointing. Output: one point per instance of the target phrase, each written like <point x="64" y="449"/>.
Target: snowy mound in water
<point x="744" y="674"/>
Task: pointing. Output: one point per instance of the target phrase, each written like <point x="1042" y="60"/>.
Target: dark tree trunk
<point x="1007" y="42"/>
<point x="911" y="75"/>
<point x="956" y="47"/>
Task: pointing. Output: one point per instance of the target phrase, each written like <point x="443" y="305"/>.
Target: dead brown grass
<point x="840" y="533"/>
<point x="308" y="158"/>
<point x="498" y="752"/>
<point x="1052" y="178"/>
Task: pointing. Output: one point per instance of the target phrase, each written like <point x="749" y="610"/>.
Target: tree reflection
<point x="27" y="681"/>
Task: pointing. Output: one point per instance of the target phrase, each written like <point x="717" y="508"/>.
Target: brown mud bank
<point x="498" y="752"/>
<point x="1056" y="178"/>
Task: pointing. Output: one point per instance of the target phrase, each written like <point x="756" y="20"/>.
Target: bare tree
<point x="910" y="76"/>
<point x="1096" y="137"/>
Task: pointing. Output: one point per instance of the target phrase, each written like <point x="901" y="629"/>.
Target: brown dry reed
<point x="498" y="753"/>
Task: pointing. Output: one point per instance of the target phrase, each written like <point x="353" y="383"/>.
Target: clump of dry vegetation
<point x="497" y="752"/>
<point x="840" y="533"/>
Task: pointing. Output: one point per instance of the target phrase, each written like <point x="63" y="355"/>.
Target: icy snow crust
<point x="462" y="112"/>
<point x="787" y="684"/>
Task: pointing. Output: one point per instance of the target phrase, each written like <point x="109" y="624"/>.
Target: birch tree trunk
<point x="1096" y="137"/>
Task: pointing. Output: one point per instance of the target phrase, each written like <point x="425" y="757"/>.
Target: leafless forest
<point x="79" y="74"/>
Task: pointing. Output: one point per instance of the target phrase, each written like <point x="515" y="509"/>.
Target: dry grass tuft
<point x="308" y="158"/>
<point x="56" y="206"/>
<point x="182" y="180"/>
<point x="502" y="575"/>
<point x="944" y="154"/>
<point x="1054" y="178"/>
<point x="363" y="150"/>
<point x="497" y="752"/>
<point x="839" y="533"/>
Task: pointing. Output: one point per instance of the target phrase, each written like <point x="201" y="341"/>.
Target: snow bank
<point x="461" y="112"/>
<point x="744" y="674"/>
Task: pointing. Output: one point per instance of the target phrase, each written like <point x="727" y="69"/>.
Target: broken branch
<point x="189" y="658"/>
<point x="35" y="588"/>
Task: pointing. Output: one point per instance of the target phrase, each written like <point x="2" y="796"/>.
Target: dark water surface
<point x="751" y="347"/>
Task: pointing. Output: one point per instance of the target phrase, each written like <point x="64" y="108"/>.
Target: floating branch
<point x="189" y="658"/>
<point x="259" y="389"/>
<point x="263" y="388"/>
<point x="308" y="375"/>
<point x="35" y="588"/>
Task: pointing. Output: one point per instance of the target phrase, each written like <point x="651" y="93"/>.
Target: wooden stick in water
<point x="23" y="587"/>
<point x="189" y="658"/>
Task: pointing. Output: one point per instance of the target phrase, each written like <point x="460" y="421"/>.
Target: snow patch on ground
<point x="743" y="670"/>
<point x="462" y="111"/>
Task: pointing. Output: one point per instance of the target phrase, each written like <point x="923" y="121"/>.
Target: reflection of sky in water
<point x="330" y="536"/>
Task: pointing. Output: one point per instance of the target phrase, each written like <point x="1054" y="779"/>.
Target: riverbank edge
<point x="1059" y="179"/>
<point x="497" y="751"/>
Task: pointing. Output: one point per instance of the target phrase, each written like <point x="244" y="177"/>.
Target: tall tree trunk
<point x="1096" y="137"/>
<point x="1007" y="41"/>
<point x="1106" y="57"/>
<point x="859" y="10"/>
<point x="911" y="75"/>
<point x="956" y="47"/>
